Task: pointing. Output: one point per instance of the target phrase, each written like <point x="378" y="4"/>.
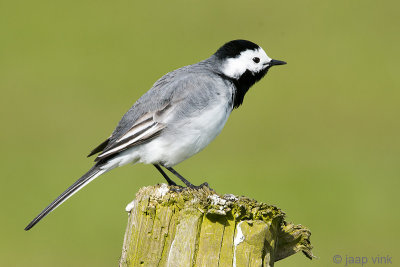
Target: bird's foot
<point x="179" y="188"/>
<point x="197" y="187"/>
<point x="176" y="188"/>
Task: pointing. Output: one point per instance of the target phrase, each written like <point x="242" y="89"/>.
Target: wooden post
<point x="202" y="228"/>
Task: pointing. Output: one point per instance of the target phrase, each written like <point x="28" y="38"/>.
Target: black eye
<point x="256" y="60"/>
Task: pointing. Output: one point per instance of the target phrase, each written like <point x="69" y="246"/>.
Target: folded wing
<point x="144" y="130"/>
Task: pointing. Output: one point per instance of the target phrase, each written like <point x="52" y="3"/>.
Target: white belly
<point x="186" y="139"/>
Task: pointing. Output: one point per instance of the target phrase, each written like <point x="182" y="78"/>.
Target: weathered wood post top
<point x="167" y="227"/>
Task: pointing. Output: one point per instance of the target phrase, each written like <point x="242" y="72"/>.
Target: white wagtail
<point x="179" y="116"/>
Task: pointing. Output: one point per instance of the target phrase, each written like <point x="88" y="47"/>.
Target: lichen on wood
<point x="172" y="227"/>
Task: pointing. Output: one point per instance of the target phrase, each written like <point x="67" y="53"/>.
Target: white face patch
<point x="235" y="67"/>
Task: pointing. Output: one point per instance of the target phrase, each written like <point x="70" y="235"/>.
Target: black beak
<point x="274" y="62"/>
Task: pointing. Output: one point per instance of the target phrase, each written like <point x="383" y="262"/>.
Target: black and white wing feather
<point x="144" y="130"/>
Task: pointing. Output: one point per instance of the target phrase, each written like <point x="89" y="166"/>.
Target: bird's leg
<point x="186" y="182"/>
<point x="170" y="182"/>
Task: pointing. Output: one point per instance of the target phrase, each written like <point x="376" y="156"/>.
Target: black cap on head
<point x="233" y="48"/>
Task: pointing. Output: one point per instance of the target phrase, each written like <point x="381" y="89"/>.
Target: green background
<point x="318" y="137"/>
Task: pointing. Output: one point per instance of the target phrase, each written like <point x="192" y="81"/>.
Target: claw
<point x="197" y="187"/>
<point x="176" y="188"/>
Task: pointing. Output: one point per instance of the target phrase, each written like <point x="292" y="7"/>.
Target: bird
<point x="179" y="116"/>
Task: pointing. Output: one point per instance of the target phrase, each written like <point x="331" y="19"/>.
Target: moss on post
<point x="202" y="228"/>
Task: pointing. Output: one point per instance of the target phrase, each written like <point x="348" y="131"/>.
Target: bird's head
<point x="239" y="57"/>
<point x="245" y="63"/>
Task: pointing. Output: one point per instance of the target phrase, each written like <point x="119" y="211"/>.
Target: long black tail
<point x="93" y="173"/>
